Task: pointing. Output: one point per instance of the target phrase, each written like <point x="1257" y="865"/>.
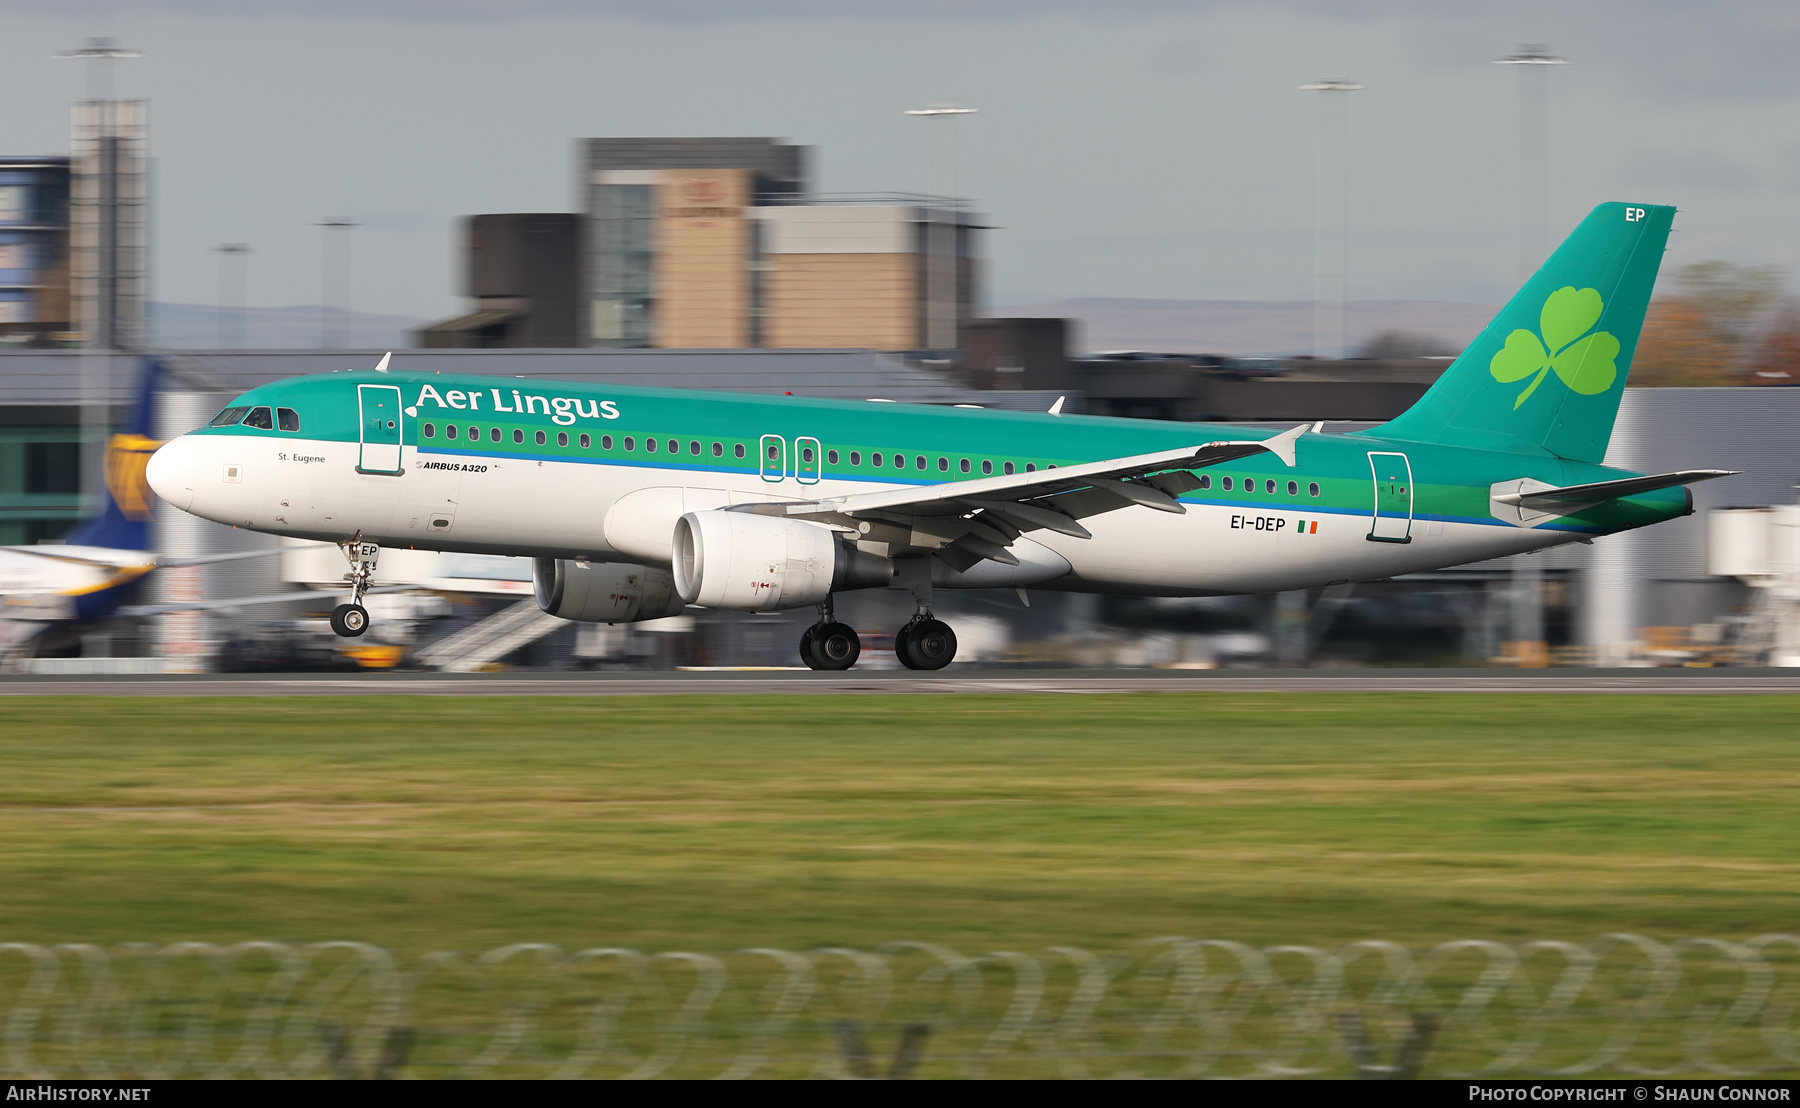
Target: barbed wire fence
<point x="1621" y="1005"/>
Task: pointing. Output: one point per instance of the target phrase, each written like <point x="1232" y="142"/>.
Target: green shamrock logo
<point x="1585" y="365"/>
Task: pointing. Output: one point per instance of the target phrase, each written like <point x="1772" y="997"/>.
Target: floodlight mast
<point x="941" y="316"/>
<point x="1533" y="62"/>
<point x="1331" y="226"/>
<point x="1534" y="150"/>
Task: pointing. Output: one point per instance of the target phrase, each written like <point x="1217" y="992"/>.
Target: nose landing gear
<point x="829" y="644"/>
<point x="352" y="619"/>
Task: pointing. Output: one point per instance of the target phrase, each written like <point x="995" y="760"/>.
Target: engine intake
<point x="761" y="563"/>
<point x="603" y="592"/>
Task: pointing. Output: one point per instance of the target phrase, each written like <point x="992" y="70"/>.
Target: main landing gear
<point x="829" y="644"/>
<point x="352" y="619"/>
<point x="924" y="643"/>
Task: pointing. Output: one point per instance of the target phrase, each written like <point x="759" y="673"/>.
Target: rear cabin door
<point x="379" y="409"/>
<point x="1393" y="498"/>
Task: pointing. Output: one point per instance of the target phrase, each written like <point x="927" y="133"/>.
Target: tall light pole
<point x="100" y="277"/>
<point x="326" y="300"/>
<point x="941" y="237"/>
<point x="235" y="324"/>
<point x="1533" y="62"/>
<point x="1331" y="229"/>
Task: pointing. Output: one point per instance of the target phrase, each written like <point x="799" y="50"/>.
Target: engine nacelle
<point x="603" y="592"/>
<point x="761" y="563"/>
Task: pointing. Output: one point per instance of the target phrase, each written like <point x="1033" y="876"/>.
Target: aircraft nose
<point x="172" y="470"/>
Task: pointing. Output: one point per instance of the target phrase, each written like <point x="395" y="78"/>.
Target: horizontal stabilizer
<point x="1552" y="499"/>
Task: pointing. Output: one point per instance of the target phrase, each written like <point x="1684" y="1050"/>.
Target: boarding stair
<point x="489" y="640"/>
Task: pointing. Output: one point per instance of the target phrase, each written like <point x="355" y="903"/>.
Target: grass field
<point x="715" y="822"/>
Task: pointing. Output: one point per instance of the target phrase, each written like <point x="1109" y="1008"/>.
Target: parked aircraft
<point x="52" y="591"/>
<point x="637" y="502"/>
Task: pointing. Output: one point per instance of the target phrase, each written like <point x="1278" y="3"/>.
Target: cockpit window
<point x="228" y="418"/>
<point x="261" y="419"/>
<point x="287" y="419"/>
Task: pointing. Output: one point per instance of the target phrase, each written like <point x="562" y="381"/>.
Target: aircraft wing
<point x="971" y="520"/>
<point x="1563" y="500"/>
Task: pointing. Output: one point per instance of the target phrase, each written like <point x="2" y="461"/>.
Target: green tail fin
<point x="1546" y="375"/>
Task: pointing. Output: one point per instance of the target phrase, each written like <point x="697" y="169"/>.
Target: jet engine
<point x="765" y="563"/>
<point x="603" y="592"/>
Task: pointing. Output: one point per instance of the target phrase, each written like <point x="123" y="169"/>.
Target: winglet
<point x="382" y="368"/>
<point x="1282" y="445"/>
<point x="1056" y="408"/>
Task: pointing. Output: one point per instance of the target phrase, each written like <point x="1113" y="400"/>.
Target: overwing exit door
<point x="1392" y="520"/>
<point x="378" y="408"/>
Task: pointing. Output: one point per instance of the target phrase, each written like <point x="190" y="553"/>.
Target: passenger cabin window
<point x="674" y="447"/>
<point x="431" y="431"/>
<point x="630" y="443"/>
<point x="1206" y="481"/>
<point x="1293" y="488"/>
<point x="718" y="450"/>
<point x="694" y="448"/>
<point x="1030" y="467"/>
<point x="1269" y="486"/>
<point x="920" y="461"/>
<point x="650" y="445"/>
<point x="987" y="467"/>
<point x="493" y="433"/>
<point x="540" y="438"/>
<point x="831" y="457"/>
<point x="230" y="417"/>
<point x="875" y="460"/>
<point x="965" y="465"/>
<point x="287" y="419"/>
<point x="606" y="442"/>
<point x="585" y="441"/>
<point x="856" y="457"/>
<point x="518" y="435"/>
<point x="1312" y="489"/>
<point x="943" y="465"/>
<point x="1225" y="483"/>
<point x="260" y="418"/>
<point x="562" y="438"/>
<point x="737" y="450"/>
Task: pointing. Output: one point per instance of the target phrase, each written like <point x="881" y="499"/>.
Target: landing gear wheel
<point x="349" y="620"/>
<point x="831" y="646"/>
<point x="900" y="651"/>
<point x="926" y="644"/>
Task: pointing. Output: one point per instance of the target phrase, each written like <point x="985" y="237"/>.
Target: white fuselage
<point x="547" y="508"/>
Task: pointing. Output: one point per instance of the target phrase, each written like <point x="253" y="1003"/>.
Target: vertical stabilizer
<point x="1546" y="375"/>
<point x="124" y="519"/>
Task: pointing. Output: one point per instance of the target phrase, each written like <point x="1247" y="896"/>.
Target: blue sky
<point x="1131" y="149"/>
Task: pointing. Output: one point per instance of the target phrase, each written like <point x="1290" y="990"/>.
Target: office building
<point x="523" y="274"/>
<point x="34" y="251"/>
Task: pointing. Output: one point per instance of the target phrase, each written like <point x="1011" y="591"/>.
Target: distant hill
<point x="197" y="327"/>
<point x="1249" y="327"/>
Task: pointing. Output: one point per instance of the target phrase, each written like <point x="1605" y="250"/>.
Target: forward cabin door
<point x="379" y="409"/>
<point x="1392" y="520"/>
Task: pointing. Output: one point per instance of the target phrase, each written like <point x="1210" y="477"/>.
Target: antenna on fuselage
<point x="1056" y="408"/>
<point x="382" y="367"/>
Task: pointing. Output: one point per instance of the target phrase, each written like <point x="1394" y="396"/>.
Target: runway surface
<point x="1685" y="681"/>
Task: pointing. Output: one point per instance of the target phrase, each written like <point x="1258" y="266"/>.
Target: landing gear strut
<point x="829" y="644"/>
<point x="352" y="619"/>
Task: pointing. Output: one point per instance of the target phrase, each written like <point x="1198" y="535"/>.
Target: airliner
<point x="637" y="502"/>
